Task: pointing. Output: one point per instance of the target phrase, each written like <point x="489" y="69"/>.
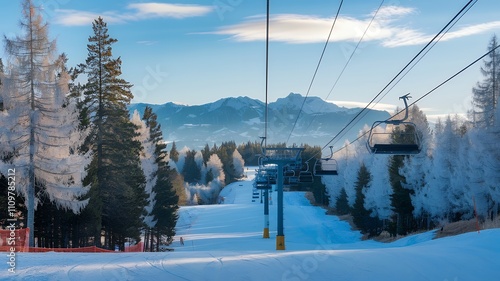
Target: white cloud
<point x="301" y="29"/>
<point x="297" y="29"/>
<point x="386" y="29"/>
<point x="355" y="104"/>
<point x="389" y="12"/>
<point x="78" y="18"/>
<point x="411" y="37"/>
<point x="139" y="11"/>
<point x="165" y="10"/>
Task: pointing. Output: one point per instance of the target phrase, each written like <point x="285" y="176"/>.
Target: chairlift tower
<point x="280" y="157"/>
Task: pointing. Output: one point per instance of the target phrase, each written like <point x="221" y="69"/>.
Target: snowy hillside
<point x="223" y="242"/>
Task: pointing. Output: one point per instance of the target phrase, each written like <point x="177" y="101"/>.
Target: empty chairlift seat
<point x="403" y="139"/>
<point x="325" y="167"/>
<point x="306" y="177"/>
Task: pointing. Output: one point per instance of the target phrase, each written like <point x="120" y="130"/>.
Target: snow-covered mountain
<point x="242" y="119"/>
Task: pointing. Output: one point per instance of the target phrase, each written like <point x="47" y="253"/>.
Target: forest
<point x="455" y="176"/>
<point x="87" y="173"/>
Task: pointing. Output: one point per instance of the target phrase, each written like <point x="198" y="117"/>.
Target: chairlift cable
<point x="444" y="29"/>
<point x="316" y="71"/>
<point x="349" y="59"/>
<point x="425" y="95"/>
<point x="267" y="75"/>
<point x="408" y="70"/>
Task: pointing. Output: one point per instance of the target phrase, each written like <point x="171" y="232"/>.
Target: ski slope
<point x="224" y="242"/>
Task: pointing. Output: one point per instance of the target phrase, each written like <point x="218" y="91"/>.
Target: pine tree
<point x="400" y="198"/>
<point x="41" y="138"/>
<point x="117" y="196"/>
<point x="206" y="153"/>
<point x="1" y="78"/>
<point x="361" y="216"/>
<point x="174" y="153"/>
<point x="486" y="93"/>
<point x="224" y="152"/>
<point x="165" y="205"/>
<point x="416" y="169"/>
<point x="191" y="171"/>
<point x="341" y="205"/>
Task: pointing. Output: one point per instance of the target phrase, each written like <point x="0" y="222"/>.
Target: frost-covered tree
<point x="487" y="192"/>
<point x="462" y="203"/>
<point x="493" y="160"/>
<point x="208" y="193"/>
<point x="165" y="200"/>
<point x="148" y="164"/>
<point x="486" y="93"/>
<point x="238" y="164"/>
<point x="216" y="169"/>
<point x="416" y="167"/>
<point x="377" y="197"/>
<point x="352" y="158"/>
<point x="40" y="135"/>
<point x="441" y="194"/>
<point x="215" y="165"/>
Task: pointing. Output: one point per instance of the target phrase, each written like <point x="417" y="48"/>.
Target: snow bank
<point x="223" y="242"/>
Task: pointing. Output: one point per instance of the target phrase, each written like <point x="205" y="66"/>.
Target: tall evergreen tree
<point x="165" y="207"/>
<point x="206" y="153"/>
<point x="400" y="198"/>
<point x="174" y="153"/>
<point x="341" y="205"/>
<point x="191" y="171"/>
<point x="486" y="93"/>
<point x="1" y="78"/>
<point x="361" y="216"/>
<point x="117" y="196"/>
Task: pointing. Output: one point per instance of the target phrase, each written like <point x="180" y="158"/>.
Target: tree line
<point x="87" y="173"/>
<point x="455" y="177"/>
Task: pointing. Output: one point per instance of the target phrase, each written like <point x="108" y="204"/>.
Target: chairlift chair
<point x="403" y="140"/>
<point x="262" y="180"/>
<point x="326" y="166"/>
<point x="306" y="176"/>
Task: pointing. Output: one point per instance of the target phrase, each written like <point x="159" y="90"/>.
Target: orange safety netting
<point x="19" y="240"/>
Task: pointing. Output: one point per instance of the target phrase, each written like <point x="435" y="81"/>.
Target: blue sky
<point x="194" y="52"/>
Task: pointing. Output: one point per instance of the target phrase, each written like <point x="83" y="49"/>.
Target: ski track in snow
<point x="224" y="242"/>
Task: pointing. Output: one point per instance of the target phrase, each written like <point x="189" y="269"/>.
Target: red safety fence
<point x="14" y="238"/>
<point x="139" y="247"/>
<point x="19" y="240"/>
<point x="90" y="249"/>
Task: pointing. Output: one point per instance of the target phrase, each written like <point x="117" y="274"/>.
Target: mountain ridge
<point x="241" y="119"/>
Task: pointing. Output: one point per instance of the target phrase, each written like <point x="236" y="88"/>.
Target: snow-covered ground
<point x="224" y="242"/>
